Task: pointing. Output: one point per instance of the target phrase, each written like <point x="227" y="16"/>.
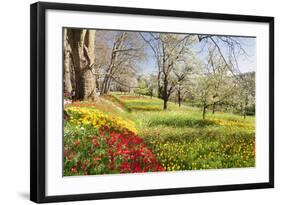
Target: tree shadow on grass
<point x="180" y="122"/>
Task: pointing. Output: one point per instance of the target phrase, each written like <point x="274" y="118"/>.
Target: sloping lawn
<point x="171" y="140"/>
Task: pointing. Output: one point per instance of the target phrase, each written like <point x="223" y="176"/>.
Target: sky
<point x="246" y="63"/>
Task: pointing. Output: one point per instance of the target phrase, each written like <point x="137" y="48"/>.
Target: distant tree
<point x="229" y="48"/>
<point x="183" y="69"/>
<point x="244" y="100"/>
<point x="142" y="88"/>
<point x="168" y="49"/>
<point x="122" y="51"/>
<point x="214" y="86"/>
<point x="152" y="84"/>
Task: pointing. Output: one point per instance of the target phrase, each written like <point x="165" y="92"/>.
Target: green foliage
<point x="143" y="88"/>
<point x="251" y="110"/>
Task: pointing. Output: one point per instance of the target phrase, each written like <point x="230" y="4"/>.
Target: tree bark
<point x="108" y="85"/>
<point x="67" y="71"/>
<point x="82" y="44"/>
<point x="104" y="84"/>
<point x="165" y="104"/>
<point x="179" y="97"/>
<point x="204" y="111"/>
<point x="245" y="107"/>
<point x="214" y="108"/>
<point x="115" y="55"/>
<point x="158" y="85"/>
<point x="165" y="92"/>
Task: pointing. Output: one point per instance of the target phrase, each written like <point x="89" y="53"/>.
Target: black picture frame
<point x="38" y="101"/>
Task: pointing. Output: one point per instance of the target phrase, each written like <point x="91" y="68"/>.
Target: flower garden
<point x="140" y="137"/>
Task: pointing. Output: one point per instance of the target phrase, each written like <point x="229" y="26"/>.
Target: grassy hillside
<point x="171" y="140"/>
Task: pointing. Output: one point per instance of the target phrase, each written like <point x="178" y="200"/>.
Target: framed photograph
<point x="129" y="102"/>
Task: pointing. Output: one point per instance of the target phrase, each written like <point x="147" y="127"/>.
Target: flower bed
<point x="98" y="119"/>
<point x="107" y="151"/>
<point x="209" y="148"/>
<point x="233" y="123"/>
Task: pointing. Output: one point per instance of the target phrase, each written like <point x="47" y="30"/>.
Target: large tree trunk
<point x="91" y="78"/>
<point x="67" y="70"/>
<point x="83" y="43"/>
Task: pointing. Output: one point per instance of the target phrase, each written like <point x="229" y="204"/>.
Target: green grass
<point x="200" y="148"/>
<point x="137" y="103"/>
<point x="176" y="119"/>
<point x="181" y="139"/>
